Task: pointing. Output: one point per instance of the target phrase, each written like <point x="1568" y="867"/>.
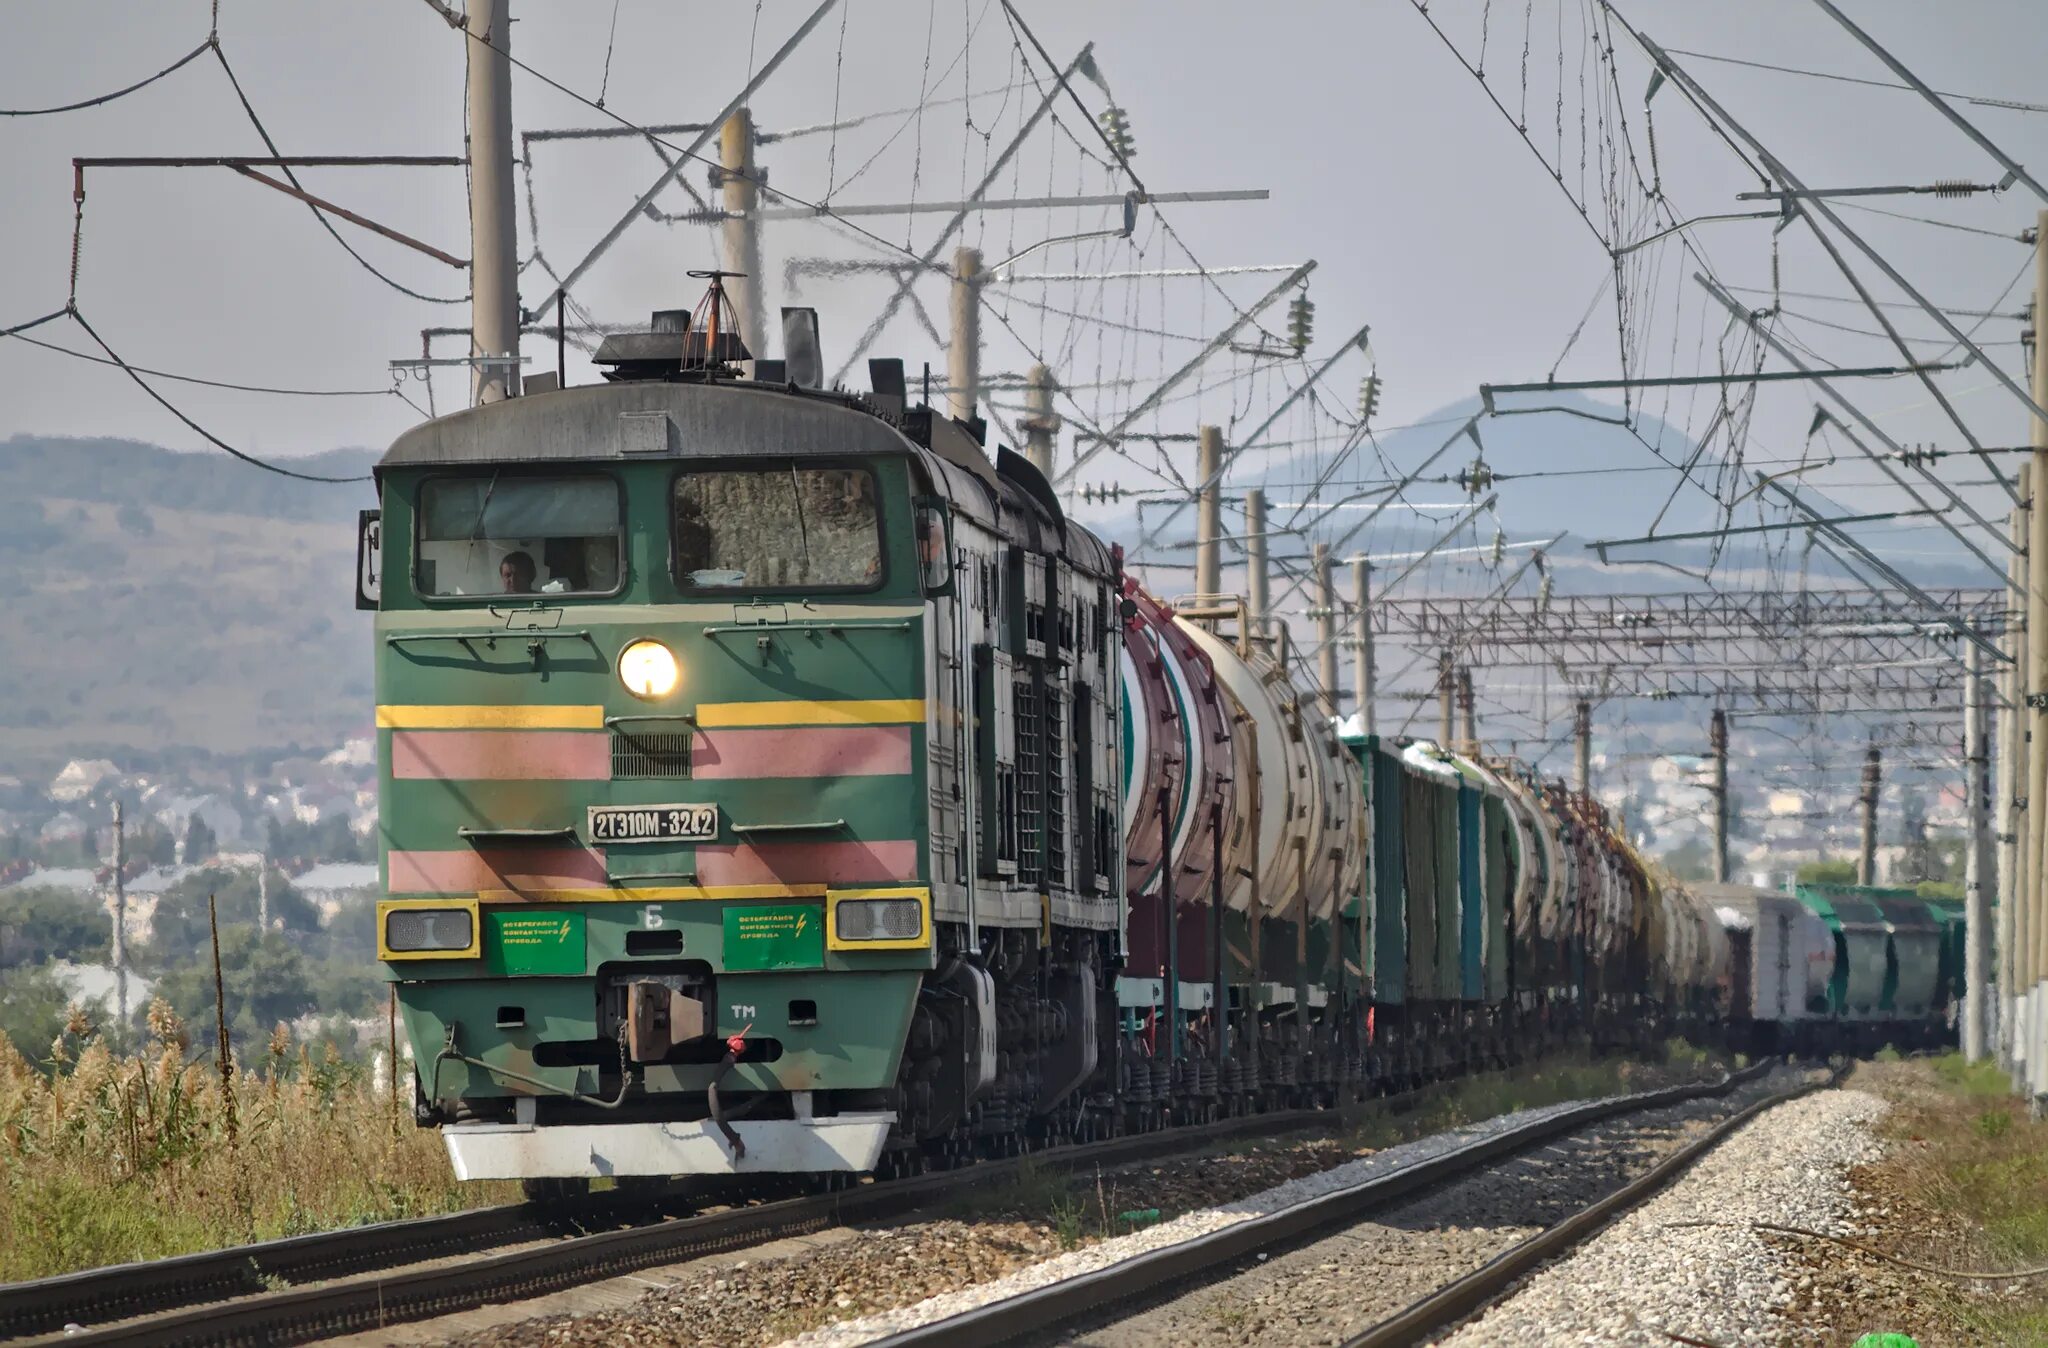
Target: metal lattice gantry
<point x="1777" y="652"/>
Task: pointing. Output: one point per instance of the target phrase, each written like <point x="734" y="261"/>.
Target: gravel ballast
<point x="1230" y="1328"/>
<point x="1689" y="1262"/>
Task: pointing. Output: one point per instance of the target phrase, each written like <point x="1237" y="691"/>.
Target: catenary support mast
<point x="740" y="231"/>
<point x="963" y="348"/>
<point x="1976" y="909"/>
<point x="1361" y="636"/>
<point x="493" y="234"/>
<point x="1326" y="629"/>
<point x="1209" y="513"/>
<point x="1258" y="580"/>
<point x="1717" y="742"/>
<point x="1873" y="783"/>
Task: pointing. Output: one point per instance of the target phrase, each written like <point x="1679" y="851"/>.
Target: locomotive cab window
<point x="498" y="535"/>
<point x="784" y="528"/>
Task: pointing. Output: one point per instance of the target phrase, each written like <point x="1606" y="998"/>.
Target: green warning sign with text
<point x="759" y="937"/>
<point x="534" y="943"/>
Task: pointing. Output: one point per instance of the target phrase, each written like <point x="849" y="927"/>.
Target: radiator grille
<point x="646" y="754"/>
<point x="1030" y="785"/>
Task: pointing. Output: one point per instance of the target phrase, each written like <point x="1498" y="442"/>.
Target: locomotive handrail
<point x="810" y="625"/>
<point x="491" y="637"/>
<point x="689" y="716"/>
<point x="516" y="834"/>
<point x="807" y="826"/>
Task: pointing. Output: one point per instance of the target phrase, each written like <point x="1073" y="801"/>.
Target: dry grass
<point x="1966" y="1187"/>
<point x="105" y="1160"/>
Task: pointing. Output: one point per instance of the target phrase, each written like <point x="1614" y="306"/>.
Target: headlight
<point x="648" y="669"/>
<point x="878" y="919"/>
<point x="412" y="931"/>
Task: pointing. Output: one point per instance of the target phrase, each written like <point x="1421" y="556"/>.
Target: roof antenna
<point x="927" y="383"/>
<point x="713" y="340"/>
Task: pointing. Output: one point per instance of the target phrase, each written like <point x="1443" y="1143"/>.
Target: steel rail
<point x="1050" y="1307"/>
<point x="1490" y="1282"/>
<point x="186" y="1299"/>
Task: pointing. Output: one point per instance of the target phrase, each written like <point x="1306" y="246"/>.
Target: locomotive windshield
<point x="784" y="528"/>
<point x="519" y="535"/>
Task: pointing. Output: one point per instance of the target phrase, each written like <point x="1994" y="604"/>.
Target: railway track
<point x="1491" y="1283"/>
<point x="1074" y="1310"/>
<point x="308" y="1287"/>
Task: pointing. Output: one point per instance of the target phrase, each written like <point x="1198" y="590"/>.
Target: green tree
<point x="199" y="841"/>
<point x="181" y="928"/>
<point x="34" y="1004"/>
<point x="1832" y="871"/>
<point x="264" y="979"/>
<point x="152" y="844"/>
<point x="40" y="925"/>
<point x="1688" y="861"/>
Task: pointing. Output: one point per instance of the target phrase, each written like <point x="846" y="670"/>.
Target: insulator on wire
<point x="1117" y="126"/>
<point x="1956" y="187"/>
<point x="1301" y="322"/>
<point x="1500" y="547"/>
<point x="1543" y="593"/>
<point x="1368" y="398"/>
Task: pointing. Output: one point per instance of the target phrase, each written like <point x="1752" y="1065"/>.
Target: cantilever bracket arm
<point x="1487" y="391"/>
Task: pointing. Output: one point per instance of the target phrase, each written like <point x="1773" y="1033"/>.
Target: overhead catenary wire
<point x="197" y="429"/>
<point x="18" y="335"/>
<point x="566" y="281"/>
<point x="123" y="92"/>
<point x="257" y="122"/>
<point x="1979" y="100"/>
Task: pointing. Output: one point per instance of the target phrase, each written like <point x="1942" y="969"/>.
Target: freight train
<point x="773" y="780"/>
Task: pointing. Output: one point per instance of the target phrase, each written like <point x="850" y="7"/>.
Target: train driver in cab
<point x="516" y="572"/>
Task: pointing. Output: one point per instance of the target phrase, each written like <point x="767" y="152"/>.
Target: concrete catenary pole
<point x="1208" y="511"/>
<point x="1717" y="744"/>
<point x="1446" y="686"/>
<point x="493" y="231"/>
<point x="2013" y="863"/>
<point x="963" y="343"/>
<point x="120" y="932"/>
<point x="2035" y="909"/>
<point x="740" y="232"/>
<point x="1976" y="908"/>
<point x="1582" y="735"/>
<point x="1468" y="715"/>
<point x="1258" y="584"/>
<point x="1041" y="425"/>
<point x="1873" y="784"/>
<point x="1361" y="636"/>
<point x="2029" y="937"/>
<point x="1326" y="629"/>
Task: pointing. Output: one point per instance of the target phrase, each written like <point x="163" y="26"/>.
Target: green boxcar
<point x="1388" y="897"/>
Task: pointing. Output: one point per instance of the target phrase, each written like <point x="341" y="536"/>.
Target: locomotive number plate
<point x="653" y="823"/>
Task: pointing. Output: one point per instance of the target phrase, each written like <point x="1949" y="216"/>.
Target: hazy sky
<point x="1430" y="219"/>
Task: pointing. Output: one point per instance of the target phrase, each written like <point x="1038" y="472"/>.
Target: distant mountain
<point x="159" y="600"/>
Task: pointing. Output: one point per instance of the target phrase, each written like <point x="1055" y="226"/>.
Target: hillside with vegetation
<point x="160" y="600"/>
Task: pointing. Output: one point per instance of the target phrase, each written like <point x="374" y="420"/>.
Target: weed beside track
<point x="108" y="1159"/>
